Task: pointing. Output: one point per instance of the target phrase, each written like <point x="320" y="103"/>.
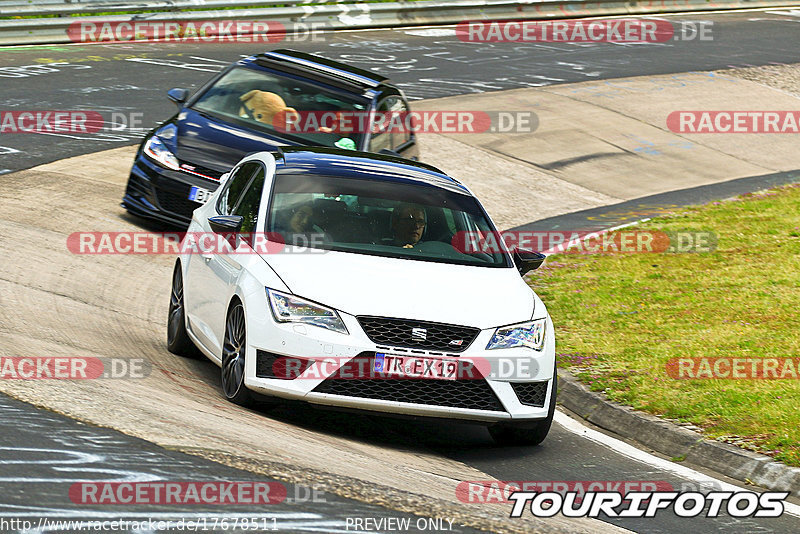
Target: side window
<point x="396" y="105"/>
<point x="234" y="187"/>
<point x="380" y="137"/>
<point x="251" y="200"/>
<point x="396" y="137"/>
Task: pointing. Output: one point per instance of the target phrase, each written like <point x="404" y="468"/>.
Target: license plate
<point x="198" y="194"/>
<point x="416" y="367"/>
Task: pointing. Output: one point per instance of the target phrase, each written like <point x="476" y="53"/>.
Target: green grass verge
<point x="620" y="317"/>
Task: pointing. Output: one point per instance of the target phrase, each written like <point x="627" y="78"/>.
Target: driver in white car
<point x="408" y="225"/>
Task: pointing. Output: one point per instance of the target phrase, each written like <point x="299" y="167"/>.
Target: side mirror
<point x="224" y="178"/>
<point x="221" y="224"/>
<point x="228" y="226"/>
<point x="528" y="260"/>
<point x="178" y="95"/>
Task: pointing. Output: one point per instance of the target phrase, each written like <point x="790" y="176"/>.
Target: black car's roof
<point x="365" y="165"/>
<point x="326" y="70"/>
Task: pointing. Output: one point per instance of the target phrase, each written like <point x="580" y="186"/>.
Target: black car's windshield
<point x="274" y="104"/>
<point x="378" y="217"/>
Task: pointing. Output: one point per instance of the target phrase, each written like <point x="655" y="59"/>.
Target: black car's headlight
<point x="291" y="309"/>
<point x="157" y="150"/>
<point x="529" y="334"/>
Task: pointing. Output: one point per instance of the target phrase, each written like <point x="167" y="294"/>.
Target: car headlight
<point x="291" y="309"/>
<point x="529" y="334"/>
<point x="158" y="151"/>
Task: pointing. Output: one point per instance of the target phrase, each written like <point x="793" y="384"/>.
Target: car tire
<point x="234" y="348"/>
<point x="530" y="433"/>
<point x="178" y="341"/>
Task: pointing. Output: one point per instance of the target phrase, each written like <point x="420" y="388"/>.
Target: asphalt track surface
<point x="43" y="454"/>
<point x="133" y="78"/>
<point x="426" y="63"/>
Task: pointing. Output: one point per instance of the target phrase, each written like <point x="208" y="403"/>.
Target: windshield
<point x="377" y="217"/>
<point x="266" y="101"/>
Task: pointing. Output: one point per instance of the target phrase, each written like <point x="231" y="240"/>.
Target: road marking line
<point x="576" y="427"/>
<point x="790" y="13"/>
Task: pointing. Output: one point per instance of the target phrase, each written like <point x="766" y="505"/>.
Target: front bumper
<point x="155" y="192"/>
<point x="501" y="396"/>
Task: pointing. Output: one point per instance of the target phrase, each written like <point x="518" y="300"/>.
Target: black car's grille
<point x="177" y="203"/>
<point x="468" y="394"/>
<point x="136" y="186"/>
<point x="531" y="393"/>
<point x="401" y="333"/>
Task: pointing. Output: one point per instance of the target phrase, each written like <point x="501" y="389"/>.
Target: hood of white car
<point x="360" y="284"/>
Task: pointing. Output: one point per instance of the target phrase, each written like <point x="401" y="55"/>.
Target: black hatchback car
<point x="179" y="163"/>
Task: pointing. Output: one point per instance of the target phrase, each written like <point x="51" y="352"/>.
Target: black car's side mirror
<point x="528" y="260"/>
<point x="178" y="95"/>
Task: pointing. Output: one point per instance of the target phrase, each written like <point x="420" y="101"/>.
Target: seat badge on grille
<point x="419" y="334"/>
<point x="457" y="342"/>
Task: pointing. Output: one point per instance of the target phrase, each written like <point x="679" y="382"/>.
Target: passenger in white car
<point x="298" y="225"/>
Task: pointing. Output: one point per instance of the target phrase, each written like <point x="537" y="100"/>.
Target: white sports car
<point x="335" y="277"/>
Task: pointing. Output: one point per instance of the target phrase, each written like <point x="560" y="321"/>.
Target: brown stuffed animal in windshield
<point x="267" y="108"/>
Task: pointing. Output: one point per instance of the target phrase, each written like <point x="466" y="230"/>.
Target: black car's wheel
<point x="532" y="433"/>
<point x="178" y="341"/>
<point x="233" y="357"/>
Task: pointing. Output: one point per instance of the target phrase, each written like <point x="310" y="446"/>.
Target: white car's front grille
<point x="472" y="394"/>
<point x="531" y="393"/>
<point x="418" y="334"/>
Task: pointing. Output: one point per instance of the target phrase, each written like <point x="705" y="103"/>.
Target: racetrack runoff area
<point x="598" y="143"/>
<point x="605" y="142"/>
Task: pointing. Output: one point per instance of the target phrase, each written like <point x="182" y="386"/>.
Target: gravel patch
<point x="785" y="78"/>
